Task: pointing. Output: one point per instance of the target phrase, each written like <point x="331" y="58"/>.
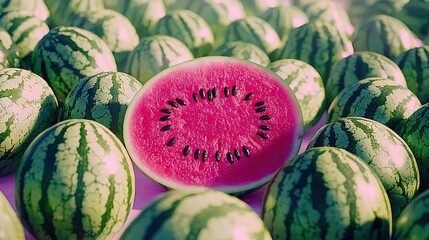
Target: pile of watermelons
<point x="211" y="99"/>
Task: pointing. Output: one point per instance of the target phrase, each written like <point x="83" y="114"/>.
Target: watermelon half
<point x="215" y="122"/>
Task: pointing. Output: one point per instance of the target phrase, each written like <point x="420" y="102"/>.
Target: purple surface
<point x="146" y="190"/>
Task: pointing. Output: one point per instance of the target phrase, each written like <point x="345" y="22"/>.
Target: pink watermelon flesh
<point x="232" y="125"/>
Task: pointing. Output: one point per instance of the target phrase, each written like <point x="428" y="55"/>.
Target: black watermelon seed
<point x="171" y="142"/>
<point x="164" y="110"/>
<point x="202" y="93"/>
<point x="180" y="101"/>
<point x="234" y="90"/>
<point x="195" y="97"/>
<point x="226" y="91"/>
<point x="204" y="155"/>
<point x="261" y="109"/>
<point x="229" y="158"/>
<point x="262" y="135"/>
<point x="260" y="103"/>
<point x="246" y="151"/>
<point x="265" y="117"/>
<point x="237" y="154"/>
<point x="173" y="104"/>
<point x="248" y="97"/>
<point x="197" y="153"/>
<point x="217" y="156"/>
<point x="164" y="118"/>
<point x="264" y="127"/>
<point x="186" y="150"/>
<point x="166" y="128"/>
<point x="209" y="95"/>
<point x="214" y="92"/>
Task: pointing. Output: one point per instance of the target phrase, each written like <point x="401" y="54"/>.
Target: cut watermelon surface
<point x="213" y="122"/>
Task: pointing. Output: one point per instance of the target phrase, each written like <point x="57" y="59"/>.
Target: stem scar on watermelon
<point x="214" y="122"/>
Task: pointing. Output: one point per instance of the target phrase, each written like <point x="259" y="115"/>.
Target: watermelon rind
<point x="154" y="54"/>
<point x="10" y="225"/>
<point x="27" y="107"/>
<point x="8" y="52"/>
<point x="75" y="181"/>
<point x="327" y="193"/>
<point x="104" y="98"/>
<point x="244" y="51"/>
<point x="196" y="214"/>
<point x="376" y="98"/>
<point x="67" y="54"/>
<point x="386" y="153"/>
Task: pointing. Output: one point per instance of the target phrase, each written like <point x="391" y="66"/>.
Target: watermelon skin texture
<point x="284" y="19"/>
<point x="318" y="44"/>
<point x="358" y="66"/>
<point x="197" y="214"/>
<point x="75" y="181"/>
<point x="62" y="10"/>
<point x="104" y="98"/>
<point x="253" y="30"/>
<point x="378" y="99"/>
<point x="385" y="35"/>
<point x="10" y="226"/>
<point x="210" y="122"/>
<point x="154" y="54"/>
<point x="307" y="85"/>
<point x="244" y="51"/>
<point x="27" y="107"/>
<point x="188" y="27"/>
<point x="414" y="63"/>
<point x="67" y="54"/>
<point x="327" y="193"/>
<point x="413" y="222"/>
<point x="37" y="7"/>
<point x="114" y="28"/>
<point x="382" y="149"/>
<point x="415" y="133"/>
<point x="8" y="52"/>
<point x="25" y="29"/>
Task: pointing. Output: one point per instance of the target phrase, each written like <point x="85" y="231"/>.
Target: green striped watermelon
<point x="197" y="214"/>
<point x="414" y="63"/>
<point x="142" y="14"/>
<point x="217" y="13"/>
<point x="67" y="54"/>
<point x="385" y="35"/>
<point x="26" y="31"/>
<point x="284" y="19"/>
<point x="37" y="7"/>
<point x="378" y="99"/>
<point x="114" y="28"/>
<point x="307" y="85"/>
<point x="257" y="7"/>
<point x="415" y="132"/>
<point x="318" y="44"/>
<point x="8" y="52"/>
<point x="62" y="10"/>
<point x="358" y="66"/>
<point x="382" y="149"/>
<point x="27" y="107"/>
<point x="75" y="181"/>
<point x="415" y="14"/>
<point x="242" y="50"/>
<point x="385" y="7"/>
<point x="188" y="27"/>
<point x="414" y="220"/>
<point x="253" y="30"/>
<point x="103" y="97"/>
<point x="10" y="226"/>
<point x="327" y="193"/>
<point x="154" y="54"/>
<point x="331" y="13"/>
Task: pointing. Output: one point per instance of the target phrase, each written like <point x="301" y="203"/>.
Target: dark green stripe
<point x="115" y="106"/>
<point x="361" y="68"/>
<point x="79" y="195"/>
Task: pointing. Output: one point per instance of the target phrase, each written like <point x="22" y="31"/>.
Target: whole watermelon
<point x="75" y="181"/>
